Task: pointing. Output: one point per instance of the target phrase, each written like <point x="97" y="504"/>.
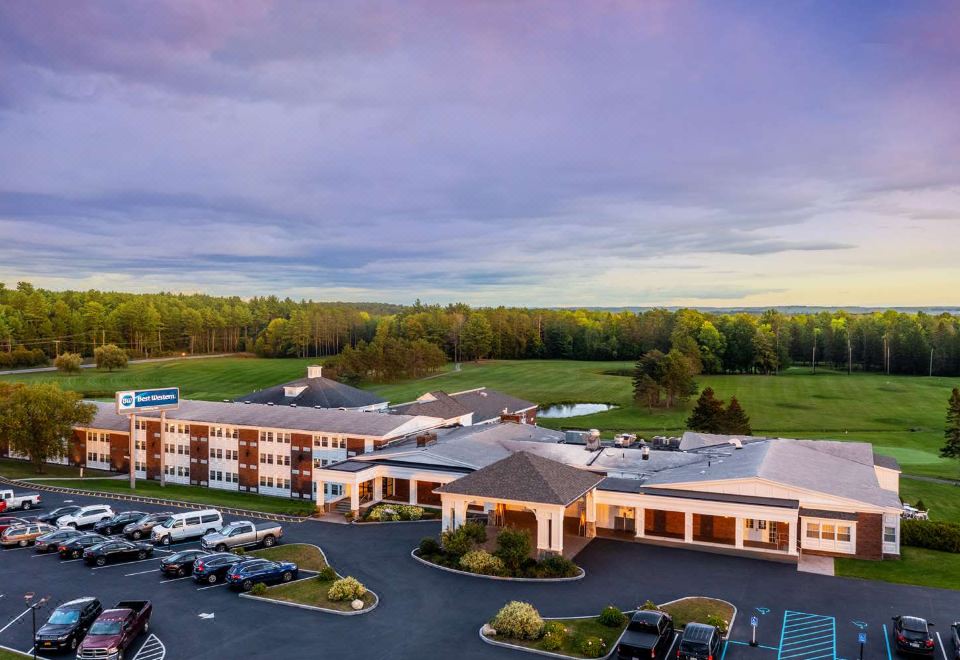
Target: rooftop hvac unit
<point x="593" y="440"/>
<point x="270" y="403"/>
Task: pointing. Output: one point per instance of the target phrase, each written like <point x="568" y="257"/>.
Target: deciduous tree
<point x="110" y="357"/>
<point x="68" y="363"/>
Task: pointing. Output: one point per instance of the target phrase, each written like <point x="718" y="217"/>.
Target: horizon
<point x="558" y="155"/>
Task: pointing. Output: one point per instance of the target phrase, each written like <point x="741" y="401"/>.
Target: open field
<point x="17" y="469"/>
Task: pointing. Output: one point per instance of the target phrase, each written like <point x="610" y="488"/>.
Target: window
<point x="827" y="532"/>
<point x="236" y="455"/>
<point x="91" y="456"/>
<point x="761" y="524"/>
<point x="140" y="424"/>
<point x="284" y="438"/>
<point x="749" y="523"/>
<point x="140" y="444"/>
<point x="236" y="478"/>
<point x="889" y="534"/>
<point x="318" y="462"/>
<point x="283" y="460"/>
<point x="209" y="517"/>
<point x="813" y="530"/>
<point x="843" y="533"/>
<point x="286" y="484"/>
<point x="193" y="520"/>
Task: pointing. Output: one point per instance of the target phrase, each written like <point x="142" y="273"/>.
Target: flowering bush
<point x="519" y="621"/>
<point x="554" y="635"/>
<point x="612" y="617"/>
<point x="259" y="589"/>
<point x="718" y="621"/>
<point x="592" y="647"/>
<point x="348" y="588"/>
<point x="390" y="512"/>
<point x="482" y="562"/>
<point x="326" y="574"/>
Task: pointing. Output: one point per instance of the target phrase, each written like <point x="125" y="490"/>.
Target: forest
<point x="38" y="324"/>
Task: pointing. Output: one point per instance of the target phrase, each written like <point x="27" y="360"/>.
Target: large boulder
<point x="357" y="604"/>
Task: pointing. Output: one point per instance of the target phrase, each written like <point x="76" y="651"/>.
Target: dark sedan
<point x="67" y="625"/>
<point x="180" y="564"/>
<point x="51" y="516"/>
<point x="255" y="571"/>
<point x="213" y="568"/>
<point x="73" y="548"/>
<point x="116" y="524"/>
<point x="955" y="634"/>
<point x="116" y="550"/>
<point x="911" y="635"/>
<point x="50" y="542"/>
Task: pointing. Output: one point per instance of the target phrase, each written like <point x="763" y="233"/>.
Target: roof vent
<point x="314" y="371"/>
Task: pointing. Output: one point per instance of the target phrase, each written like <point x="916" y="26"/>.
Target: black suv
<point x="118" y="522"/>
<point x="116" y="550"/>
<point x="911" y="635"/>
<point x="67" y="625"/>
<point x="213" y="568"/>
<point x="73" y="548"/>
<point x="180" y="564"/>
<point x="700" y="642"/>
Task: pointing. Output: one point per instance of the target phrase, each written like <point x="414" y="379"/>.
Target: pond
<point x="573" y="410"/>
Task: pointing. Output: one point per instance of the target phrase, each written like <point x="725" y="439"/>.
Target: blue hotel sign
<point x="134" y="401"/>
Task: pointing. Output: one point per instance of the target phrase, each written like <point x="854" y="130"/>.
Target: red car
<point x="6" y="521"/>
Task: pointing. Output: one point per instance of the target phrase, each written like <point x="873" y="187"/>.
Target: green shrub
<point x="649" y="605"/>
<point x="611" y="617"/>
<point x="518" y="620"/>
<point x="920" y="505"/>
<point x="513" y="547"/>
<point x="718" y="621"/>
<point x="475" y="531"/>
<point x="381" y="512"/>
<point x="463" y="539"/>
<point x="259" y="589"/>
<point x="429" y="546"/>
<point x="557" y="566"/>
<point x="932" y="535"/>
<point x="327" y="574"/>
<point x="554" y="636"/>
<point x="592" y="647"/>
<point x="240" y="552"/>
<point x="482" y="562"/>
<point x="348" y="588"/>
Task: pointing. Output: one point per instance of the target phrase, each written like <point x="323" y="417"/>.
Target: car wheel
<point x="146" y="626"/>
<point x="247" y="585"/>
<point x="212" y="578"/>
<point x="108" y="531"/>
<point x="269" y="542"/>
<point x="220" y="547"/>
<point x="142" y="554"/>
<point x="73" y="524"/>
<point x="181" y="571"/>
<point x="27" y="506"/>
<point x="23" y="543"/>
<point x="165" y="540"/>
<point x="101" y="561"/>
<point x="75" y="554"/>
<point x="137" y="535"/>
<point x="287" y="576"/>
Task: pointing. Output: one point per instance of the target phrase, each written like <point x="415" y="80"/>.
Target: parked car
<point x="213" y="568"/>
<point x="955" y="634"/>
<point x="8" y="521"/>
<point x="180" y="564"/>
<point x="52" y="516"/>
<point x="74" y="548"/>
<point x="140" y="528"/>
<point x="67" y="625"/>
<point x="86" y="516"/>
<point x="700" y="642"/>
<point x="648" y="635"/>
<point x="50" y="541"/>
<point x="118" y="522"/>
<point x="242" y="534"/>
<point x="182" y="526"/>
<point x="116" y="550"/>
<point x="24" y="535"/>
<point x="24" y="501"/>
<point x="911" y="635"/>
<point x="115" y="630"/>
<point x="254" y="571"/>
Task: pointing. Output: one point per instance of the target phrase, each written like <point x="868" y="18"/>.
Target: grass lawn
<point x="942" y="500"/>
<point x="576" y="629"/>
<point x="927" y="568"/>
<point x="15" y="469"/>
<point x="697" y="610"/>
<point x="196" y="494"/>
<point x="11" y="655"/>
<point x="305" y="556"/>
<point x="212" y="379"/>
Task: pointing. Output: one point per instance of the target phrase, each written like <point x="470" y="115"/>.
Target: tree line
<point x="51" y="322"/>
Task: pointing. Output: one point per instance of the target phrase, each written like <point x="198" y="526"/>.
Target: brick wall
<point x="154" y="449"/>
<point x="120" y="452"/>
<point x="78" y="447"/>
<point x="301" y="465"/>
<point x="199" y="455"/>
<point x="249" y="470"/>
<point x="869" y="536"/>
<point x="356" y="445"/>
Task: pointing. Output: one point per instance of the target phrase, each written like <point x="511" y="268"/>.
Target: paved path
<point x="91" y="365"/>
<point x="933" y="480"/>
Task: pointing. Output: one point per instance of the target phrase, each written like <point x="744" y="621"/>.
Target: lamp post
<point x="34" y="606"/>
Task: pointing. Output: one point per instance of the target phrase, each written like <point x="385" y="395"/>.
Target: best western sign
<point x="134" y="401"/>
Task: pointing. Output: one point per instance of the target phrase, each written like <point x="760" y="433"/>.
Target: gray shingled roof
<point x="884" y="461"/>
<point x="320" y="391"/>
<point x="442" y="405"/>
<point x="488" y="404"/>
<point x="348" y="422"/>
<point x="526" y="477"/>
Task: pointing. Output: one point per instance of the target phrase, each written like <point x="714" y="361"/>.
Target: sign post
<point x="753" y="630"/>
<point x="862" y="639"/>
<point x="131" y="402"/>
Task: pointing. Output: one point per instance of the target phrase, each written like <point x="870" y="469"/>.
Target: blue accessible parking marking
<point x="807" y="637"/>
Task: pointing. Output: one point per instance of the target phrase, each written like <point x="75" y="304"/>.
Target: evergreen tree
<point x="708" y="415"/>
<point x="735" y="420"/>
<point x="951" y="446"/>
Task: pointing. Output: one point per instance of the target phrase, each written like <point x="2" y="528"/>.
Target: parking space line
<point x="169" y="580"/>
<point x="759" y="646"/>
<point x="45" y="554"/>
<point x="152" y="649"/>
<point x="213" y="586"/>
<point x="19" y="616"/>
<point x="126" y="563"/>
<point x="886" y="640"/>
<point x="152" y="570"/>
<point x="942" y="649"/>
<point x="806" y="636"/>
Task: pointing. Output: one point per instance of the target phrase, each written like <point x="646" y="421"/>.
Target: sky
<point x="520" y="153"/>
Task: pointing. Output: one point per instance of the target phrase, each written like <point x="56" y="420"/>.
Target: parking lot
<point x="425" y="613"/>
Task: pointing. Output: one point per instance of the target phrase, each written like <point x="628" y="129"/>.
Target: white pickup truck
<point x="242" y="534"/>
<point x="9" y="501"/>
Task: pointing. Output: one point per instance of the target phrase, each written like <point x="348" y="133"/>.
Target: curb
<point x="363" y="523"/>
<point x="733" y="617"/>
<point x="376" y="598"/>
<point x="276" y="517"/>
<point x="582" y="575"/>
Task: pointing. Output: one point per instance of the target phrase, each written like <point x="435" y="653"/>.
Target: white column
<point x="688" y="527"/>
<point x="377" y="489"/>
<point x="354" y="498"/>
<point x="590" y="515"/>
<point x="639" y="519"/>
<point x="556" y="543"/>
<point x="413" y="491"/>
<point x="792" y="526"/>
<point x="459" y="513"/>
<point x="321" y="496"/>
<point x="738" y="532"/>
<point x="543" y="539"/>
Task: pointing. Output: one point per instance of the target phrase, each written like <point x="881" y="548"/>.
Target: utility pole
<point x="849" y="356"/>
<point x="133" y="453"/>
<point x="931" y="362"/>
<point x="163" y="448"/>
<point x="57" y="350"/>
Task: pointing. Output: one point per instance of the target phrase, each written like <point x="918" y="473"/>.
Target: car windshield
<point x="168" y="523"/>
<point x="105" y="628"/>
<point x="914" y="625"/>
<point x="64" y="617"/>
<point x="692" y="647"/>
